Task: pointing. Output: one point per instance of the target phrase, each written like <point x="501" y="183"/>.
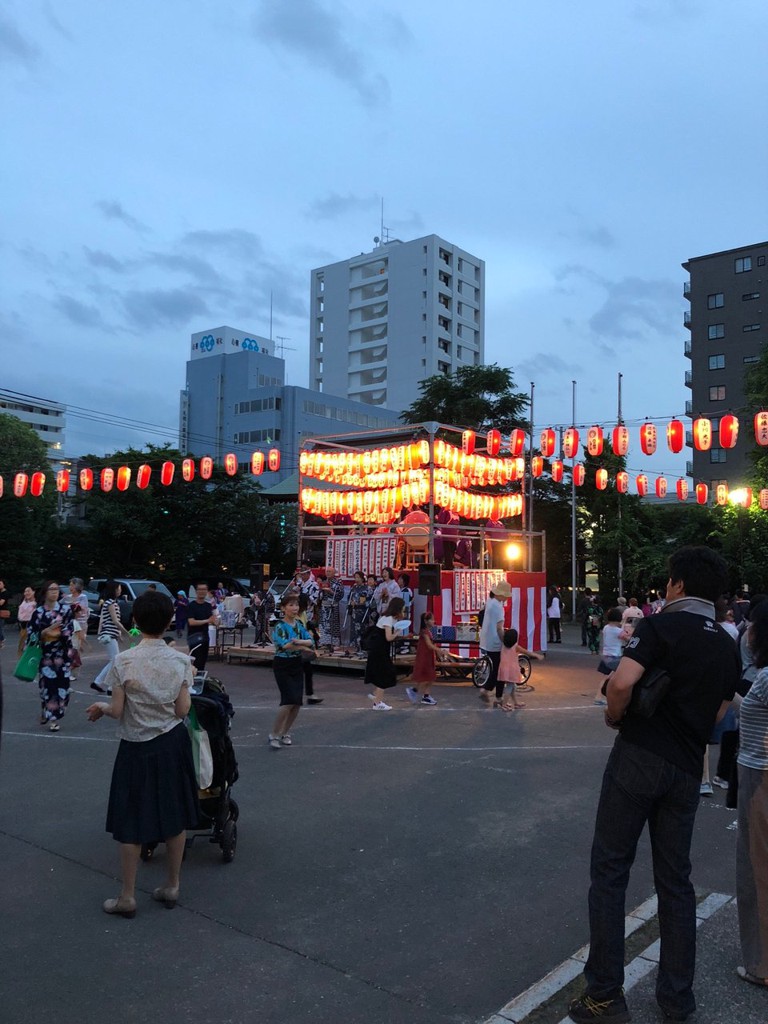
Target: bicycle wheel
<point x="481" y="671"/>
<point x="525" y="668"/>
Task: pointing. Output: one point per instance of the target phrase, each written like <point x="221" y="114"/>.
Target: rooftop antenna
<point x="282" y="346"/>
<point x="383" y="236"/>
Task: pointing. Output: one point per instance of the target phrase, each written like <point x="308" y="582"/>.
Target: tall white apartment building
<point x="47" y="418"/>
<point x="384" y="320"/>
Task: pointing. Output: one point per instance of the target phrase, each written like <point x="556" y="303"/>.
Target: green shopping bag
<point x="28" y="664"/>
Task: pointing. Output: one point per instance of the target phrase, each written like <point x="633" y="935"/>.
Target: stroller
<point x="218" y="810"/>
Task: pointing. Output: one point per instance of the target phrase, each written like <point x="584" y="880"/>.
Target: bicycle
<point x="481" y="672"/>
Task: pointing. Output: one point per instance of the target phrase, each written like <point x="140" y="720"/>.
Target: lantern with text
<point x="601" y="479"/>
<point x="62" y="481"/>
<point x="661" y="487"/>
<point x="622" y="482"/>
<point x="763" y="499"/>
<point x="206" y="467"/>
<point x="648" y="438"/>
<point x="468" y="441"/>
<point x="143" y="476"/>
<point x="729" y="431"/>
<point x="516" y="443"/>
<point x="702" y="434"/>
<point x="537" y="465"/>
<point x="230" y="464"/>
<point x="20" y="484"/>
<point x="642" y="485"/>
<point x="37" y="484"/>
<point x="123" y="478"/>
<point x="257" y="463"/>
<point x="570" y="442"/>
<point x="167" y="471"/>
<point x="188" y="470"/>
<point x="595" y="440"/>
<point x="556" y="469"/>
<point x="273" y="459"/>
<point x="761" y="428"/>
<point x="106" y="478"/>
<point x="702" y="494"/>
<point x="620" y="440"/>
<point x="86" y="479"/>
<point x="682" y="490"/>
<point x="579" y="474"/>
<point x="493" y="441"/>
<point x="675" y="436"/>
<point x="721" y="494"/>
<point x="547" y="442"/>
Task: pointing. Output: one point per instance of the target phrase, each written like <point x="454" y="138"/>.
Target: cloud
<point x="236" y="243"/>
<point x="598" y="236"/>
<point x="654" y="12"/>
<point x="14" y="47"/>
<point x="545" y="364"/>
<point x="309" y="29"/>
<point x="335" y="206"/>
<point x="157" y="307"/>
<point x="78" y="312"/>
<point x="99" y="258"/>
<point x="54" y="22"/>
<point x="192" y="265"/>
<point x="113" y="210"/>
<point x="633" y="306"/>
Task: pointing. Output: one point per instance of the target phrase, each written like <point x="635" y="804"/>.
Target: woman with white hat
<point x="492" y="637"/>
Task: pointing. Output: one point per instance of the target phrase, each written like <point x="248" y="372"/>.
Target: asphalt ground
<point x="424" y="865"/>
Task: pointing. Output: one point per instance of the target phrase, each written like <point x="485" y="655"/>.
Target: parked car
<point x="130" y="591"/>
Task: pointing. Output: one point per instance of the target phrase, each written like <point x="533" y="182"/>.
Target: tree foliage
<point x="24" y="522"/>
<point x="474" y="397"/>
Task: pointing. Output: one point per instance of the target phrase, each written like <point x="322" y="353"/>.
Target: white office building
<point x="383" y="321"/>
<point x="46" y="418"/>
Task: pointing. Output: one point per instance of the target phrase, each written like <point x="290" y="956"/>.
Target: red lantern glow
<point x="761" y="428"/>
<point x="642" y="485"/>
<point x="37" y="484"/>
<point x="661" y="487"/>
<point x="570" y="442"/>
<point x="468" y="441"/>
<point x="579" y="474"/>
<point x="675" y="436"/>
<point x="556" y="469"/>
<point x="729" y="431"/>
<point x="595" y="441"/>
<point x="620" y="440"/>
<point x="188" y="470"/>
<point x="257" y="463"/>
<point x="20" y="484"/>
<point x="516" y="443"/>
<point x="106" y="478"/>
<point x="682" y="490"/>
<point x="746" y="501"/>
<point x="622" y="482"/>
<point x="230" y="464"/>
<point x="601" y="479"/>
<point x="143" y="476"/>
<point x="62" y="481"/>
<point x="764" y="498"/>
<point x="273" y="459"/>
<point x="702" y="494"/>
<point x="721" y="494"/>
<point x="493" y="441"/>
<point x="537" y="465"/>
<point x="648" y="438"/>
<point x="702" y="434"/>
<point x="167" y="471"/>
<point x="123" y="478"/>
<point x="86" y="479"/>
<point x="206" y="467"/>
<point x="547" y="442"/>
<point x="1" y="487"/>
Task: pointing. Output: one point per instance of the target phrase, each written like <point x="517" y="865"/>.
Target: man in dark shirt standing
<point x="653" y="775"/>
<point x="200" y="615"/>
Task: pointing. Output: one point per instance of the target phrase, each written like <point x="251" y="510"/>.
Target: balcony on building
<point x="686" y="289"/>
<point x="687" y="319"/>
<point x="688" y="379"/>
<point x="689" y="469"/>
<point x="689" y="439"/>
<point x="687" y="348"/>
<point x="688" y="407"/>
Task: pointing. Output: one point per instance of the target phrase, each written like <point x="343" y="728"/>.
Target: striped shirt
<point x="106" y="626"/>
<point x="753" y="724"/>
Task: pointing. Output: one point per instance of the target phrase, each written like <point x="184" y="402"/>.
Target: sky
<point x="169" y="167"/>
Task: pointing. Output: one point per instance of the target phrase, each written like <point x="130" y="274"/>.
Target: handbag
<point x="28" y="664"/>
<point x="201" y="750"/>
<point x="649" y="691"/>
<point x="5" y="613"/>
<point x="307" y="653"/>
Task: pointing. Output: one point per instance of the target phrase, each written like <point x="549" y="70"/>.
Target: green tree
<point x="475" y="397"/>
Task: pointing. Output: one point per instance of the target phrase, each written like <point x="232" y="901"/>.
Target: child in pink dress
<point x="509" y="670"/>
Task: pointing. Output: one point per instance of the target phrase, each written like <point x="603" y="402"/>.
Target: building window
<point x="761" y="261"/>
<point x="715" y="331"/>
<point x="445" y="257"/>
<point x="444" y="346"/>
<point x="715" y="301"/>
<point x="717" y="393"/>
<point x="750" y="295"/>
<point x="743" y="264"/>
<point x="751" y="359"/>
<point x="458" y="351"/>
<point x="717" y="362"/>
<point x="750" y="327"/>
<point x="443" y="367"/>
<point x="718" y="455"/>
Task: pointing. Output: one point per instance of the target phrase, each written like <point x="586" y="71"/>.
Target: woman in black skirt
<point x="153" y="796"/>
<point x="379" y="669"/>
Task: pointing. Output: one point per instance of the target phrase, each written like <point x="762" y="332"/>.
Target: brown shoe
<point x="169" y="897"/>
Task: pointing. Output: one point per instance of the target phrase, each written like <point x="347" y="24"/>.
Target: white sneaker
<point x="379" y="705"/>
<point x="705" y="789"/>
<point x="412" y="694"/>
<point x="720" y="783"/>
<point x="274" y="742"/>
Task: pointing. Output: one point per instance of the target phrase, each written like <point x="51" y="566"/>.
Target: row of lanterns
<point x="120" y="478"/>
<point x="386" y="504"/>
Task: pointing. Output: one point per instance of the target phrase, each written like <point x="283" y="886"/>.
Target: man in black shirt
<point x="200" y="615"/>
<point x="653" y="775"/>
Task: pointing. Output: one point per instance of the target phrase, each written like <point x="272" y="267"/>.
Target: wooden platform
<point x="456" y="668"/>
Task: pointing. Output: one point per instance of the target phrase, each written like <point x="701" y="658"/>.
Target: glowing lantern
<point x="230" y="464"/>
<point x="62" y="481"/>
<point x="516" y="443"/>
<point x="570" y="442"/>
<point x="729" y="431"/>
<point x="661" y="487"/>
<point x="595" y="440"/>
<point x="556" y="468"/>
<point x="761" y="428"/>
<point x="1" y="487"/>
<point x="123" y="478"/>
<point x="257" y="463"/>
<point x="468" y="441"/>
<point x="721" y="494"/>
<point x="675" y="436"/>
<point x="20" y="482"/>
<point x="747" y="499"/>
<point x="547" y="442"/>
<point x="106" y="478"/>
<point x="86" y="479"/>
<point x="273" y="459"/>
<point x="37" y="484"/>
<point x="493" y="441"/>
<point x="682" y="490"/>
<point x="702" y="434"/>
<point x="620" y="440"/>
<point x="188" y="469"/>
<point x="601" y="479"/>
<point x="648" y="438"/>
<point x="622" y="482"/>
<point x="764" y="499"/>
<point x="579" y="474"/>
<point x="642" y="485"/>
<point x="167" y="471"/>
<point x="143" y="475"/>
<point x="537" y="465"/>
<point x="206" y="467"/>
<point x="702" y="494"/>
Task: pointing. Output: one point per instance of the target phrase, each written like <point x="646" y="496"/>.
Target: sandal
<point x="753" y="979"/>
<point x="519" y="705"/>
<point x="507" y="707"/>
